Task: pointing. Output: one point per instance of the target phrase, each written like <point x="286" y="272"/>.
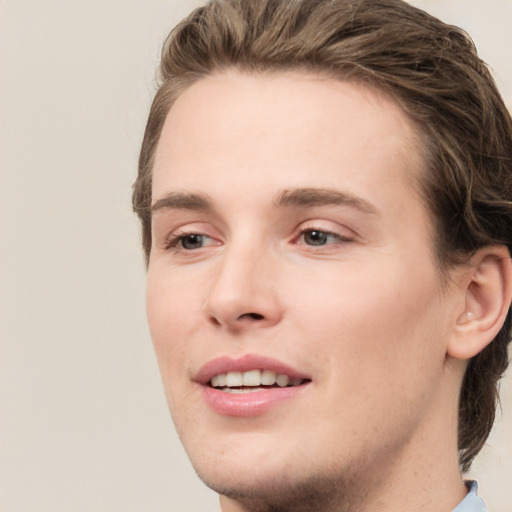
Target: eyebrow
<point x="310" y="197"/>
<point x="300" y="197"/>
<point x="182" y="201"/>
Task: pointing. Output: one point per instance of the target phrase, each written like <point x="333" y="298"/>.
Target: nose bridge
<point x="242" y="291"/>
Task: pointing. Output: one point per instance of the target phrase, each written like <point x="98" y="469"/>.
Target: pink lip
<point x="246" y="404"/>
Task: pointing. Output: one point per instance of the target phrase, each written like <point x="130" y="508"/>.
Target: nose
<point x="244" y="294"/>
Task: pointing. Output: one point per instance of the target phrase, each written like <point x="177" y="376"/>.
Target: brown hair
<point x="431" y="69"/>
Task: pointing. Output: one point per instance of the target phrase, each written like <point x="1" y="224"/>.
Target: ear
<point x="488" y="294"/>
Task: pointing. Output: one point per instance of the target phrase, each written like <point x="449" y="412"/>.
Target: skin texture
<point x="365" y="315"/>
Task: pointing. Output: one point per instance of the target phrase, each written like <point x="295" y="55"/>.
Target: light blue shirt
<point x="472" y="502"/>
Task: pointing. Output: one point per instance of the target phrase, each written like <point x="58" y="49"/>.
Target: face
<point x="293" y="297"/>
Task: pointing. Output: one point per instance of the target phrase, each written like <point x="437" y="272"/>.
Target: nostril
<point x="215" y="321"/>
<point x="253" y="316"/>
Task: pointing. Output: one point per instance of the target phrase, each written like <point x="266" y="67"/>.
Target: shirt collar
<point x="472" y="502"/>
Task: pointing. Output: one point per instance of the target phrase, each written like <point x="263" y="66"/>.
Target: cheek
<point x="172" y="303"/>
<point x="172" y="312"/>
<point x="378" y="325"/>
<point x="374" y="346"/>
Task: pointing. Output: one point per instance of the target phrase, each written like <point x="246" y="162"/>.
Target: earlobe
<point x="488" y="295"/>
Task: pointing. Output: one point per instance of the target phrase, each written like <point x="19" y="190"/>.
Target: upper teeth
<point x="253" y="378"/>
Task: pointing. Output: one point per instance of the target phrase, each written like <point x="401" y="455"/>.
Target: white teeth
<point x="234" y="379"/>
<point x="252" y="378"/>
<point x="282" y="380"/>
<point x="268" y="377"/>
<point x="219" y="380"/>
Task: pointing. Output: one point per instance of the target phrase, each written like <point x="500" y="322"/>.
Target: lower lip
<point x="249" y="404"/>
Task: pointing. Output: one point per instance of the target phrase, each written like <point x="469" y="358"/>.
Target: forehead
<point x="284" y="129"/>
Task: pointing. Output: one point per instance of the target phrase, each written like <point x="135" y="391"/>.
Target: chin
<point x="268" y="490"/>
<point x="246" y="485"/>
<point x="241" y="469"/>
<point x="249" y="467"/>
<point x="259" y="462"/>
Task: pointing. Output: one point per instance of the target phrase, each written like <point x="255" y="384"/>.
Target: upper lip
<point x="245" y="363"/>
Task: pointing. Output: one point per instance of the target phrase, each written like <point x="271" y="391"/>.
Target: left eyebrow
<point x="310" y="197"/>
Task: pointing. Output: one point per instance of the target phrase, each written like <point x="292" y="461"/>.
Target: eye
<point x="189" y="241"/>
<point x="317" y="237"/>
<point x="192" y="241"/>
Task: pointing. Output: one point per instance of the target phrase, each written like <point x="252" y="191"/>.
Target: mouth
<point x="251" y="381"/>
<point x="250" y="385"/>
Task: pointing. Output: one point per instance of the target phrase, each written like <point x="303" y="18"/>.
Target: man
<point x="325" y="192"/>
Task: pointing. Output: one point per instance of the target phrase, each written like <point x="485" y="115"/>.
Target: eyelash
<point x="338" y="238"/>
<point x="178" y="238"/>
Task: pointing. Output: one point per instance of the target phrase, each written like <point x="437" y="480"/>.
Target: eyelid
<point x="343" y="233"/>
<point x="174" y="237"/>
<point x="335" y="239"/>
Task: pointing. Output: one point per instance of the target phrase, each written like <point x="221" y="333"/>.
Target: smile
<point x="250" y="385"/>
<point x="253" y="380"/>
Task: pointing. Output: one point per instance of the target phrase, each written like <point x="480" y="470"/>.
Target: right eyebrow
<point x="181" y="201"/>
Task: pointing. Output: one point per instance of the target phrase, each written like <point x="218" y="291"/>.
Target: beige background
<point x="83" y="421"/>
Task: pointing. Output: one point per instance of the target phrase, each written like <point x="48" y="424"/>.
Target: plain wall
<point x="84" y="425"/>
